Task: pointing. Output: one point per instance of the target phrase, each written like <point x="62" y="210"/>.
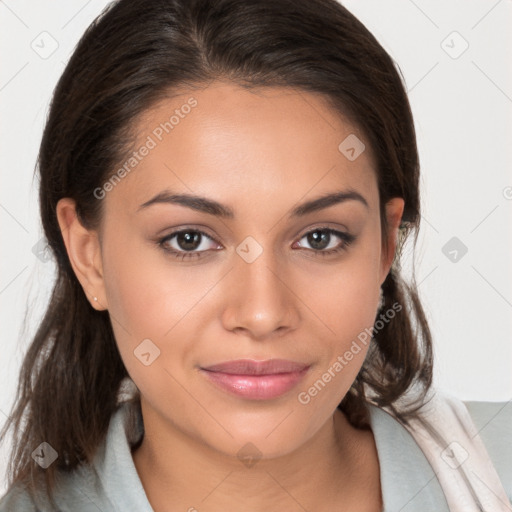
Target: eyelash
<point x="182" y="255"/>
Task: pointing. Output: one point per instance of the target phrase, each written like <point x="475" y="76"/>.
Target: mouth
<point x="256" y="380"/>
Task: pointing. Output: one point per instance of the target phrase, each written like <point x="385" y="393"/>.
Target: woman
<point x="226" y="187"/>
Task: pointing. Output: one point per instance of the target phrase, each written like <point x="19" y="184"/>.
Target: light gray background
<point x="462" y="104"/>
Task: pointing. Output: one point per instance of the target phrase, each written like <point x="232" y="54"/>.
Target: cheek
<point x="344" y="300"/>
<point x="146" y="293"/>
<point x="139" y="295"/>
<point x="144" y="302"/>
<point x="345" y="295"/>
<point x="152" y="298"/>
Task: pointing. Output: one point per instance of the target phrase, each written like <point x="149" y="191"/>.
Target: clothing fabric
<point x="464" y="453"/>
<point x="451" y="444"/>
<point x="422" y="469"/>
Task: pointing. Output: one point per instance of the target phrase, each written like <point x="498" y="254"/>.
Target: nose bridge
<point x="259" y="300"/>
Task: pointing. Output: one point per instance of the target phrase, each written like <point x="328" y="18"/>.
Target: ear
<point x="394" y="210"/>
<point x="84" y="252"/>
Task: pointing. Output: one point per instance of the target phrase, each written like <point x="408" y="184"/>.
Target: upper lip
<point x="252" y="367"/>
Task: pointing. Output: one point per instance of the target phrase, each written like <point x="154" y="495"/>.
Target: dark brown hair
<point x="136" y="53"/>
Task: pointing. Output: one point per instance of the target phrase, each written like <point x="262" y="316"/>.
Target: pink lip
<point x="257" y="380"/>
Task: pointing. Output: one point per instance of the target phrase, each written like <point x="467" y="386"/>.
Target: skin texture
<point x="260" y="153"/>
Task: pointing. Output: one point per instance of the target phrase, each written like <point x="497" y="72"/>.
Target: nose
<point x="260" y="301"/>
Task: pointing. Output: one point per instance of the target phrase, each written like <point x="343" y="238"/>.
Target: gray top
<point x="408" y="482"/>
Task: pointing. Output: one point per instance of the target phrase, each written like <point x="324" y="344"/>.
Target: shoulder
<point x="408" y="482"/>
<point x="17" y="498"/>
<point x="76" y="491"/>
<point x="481" y="442"/>
<point x="84" y="488"/>
<point x="477" y="437"/>
<point x="493" y="421"/>
<point x="459" y="439"/>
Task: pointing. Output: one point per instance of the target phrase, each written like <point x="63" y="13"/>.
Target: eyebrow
<point x="211" y="207"/>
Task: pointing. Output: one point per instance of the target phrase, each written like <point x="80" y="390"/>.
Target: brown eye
<point x="188" y="243"/>
<point x="319" y="239"/>
<point x="188" y="240"/>
<point x="323" y="240"/>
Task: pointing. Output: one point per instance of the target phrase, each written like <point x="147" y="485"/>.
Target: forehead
<point x="249" y="146"/>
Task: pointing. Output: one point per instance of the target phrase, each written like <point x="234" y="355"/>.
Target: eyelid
<point x="322" y="225"/>
<point x="170" y="236"/>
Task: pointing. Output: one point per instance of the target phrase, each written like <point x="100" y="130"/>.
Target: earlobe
<point x="394" y="211"/>
<point x="84" y="252"/>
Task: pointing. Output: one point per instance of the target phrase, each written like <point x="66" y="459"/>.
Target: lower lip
<point x="256" y="387"/>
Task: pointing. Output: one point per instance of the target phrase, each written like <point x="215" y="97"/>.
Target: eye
<point x="187" y="243"/>
<point x="323" y="240"/>
<point x="192" y="243"/>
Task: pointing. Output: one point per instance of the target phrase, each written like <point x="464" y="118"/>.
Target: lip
<point x="256" y="380"/>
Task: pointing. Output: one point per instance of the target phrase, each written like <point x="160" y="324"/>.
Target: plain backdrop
<point x="455" y="59"/>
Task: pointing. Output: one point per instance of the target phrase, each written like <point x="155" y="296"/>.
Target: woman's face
<point x="266" y="280"/>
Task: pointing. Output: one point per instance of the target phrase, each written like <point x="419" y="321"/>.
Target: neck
<point x="182" y="473"/>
